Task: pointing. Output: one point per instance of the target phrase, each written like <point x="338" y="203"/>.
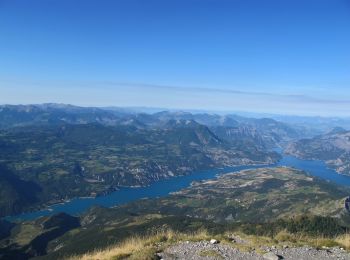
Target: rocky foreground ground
<point x="206" y="250"/>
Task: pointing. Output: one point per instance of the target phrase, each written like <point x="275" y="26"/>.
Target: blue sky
<point x="290" y="56"/>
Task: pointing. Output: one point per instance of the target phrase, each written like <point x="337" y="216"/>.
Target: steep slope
<point x="31" y="239"/>
<point x="15" y="193"/>
<point x="190" y="132"/>
<point x="265" y="132"/>
<point x="271" y="132"/>
<point x="245" y="135"/>
<point x="333" y="148"/>
<point x="261" y="133"/>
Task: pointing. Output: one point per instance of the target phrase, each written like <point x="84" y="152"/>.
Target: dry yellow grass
<point x="124" y="249"/>
<point x="141" y="247"/>
<point x="296" y="240"/>
<point x="344" y="241"/>
<point x="318" y="241"/>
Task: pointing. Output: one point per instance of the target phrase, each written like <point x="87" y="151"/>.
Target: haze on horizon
<point x="282" y="57"/>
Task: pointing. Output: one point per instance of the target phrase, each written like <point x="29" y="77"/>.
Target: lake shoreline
<point x="164" y="187"/>
<point x="48" y="207"/>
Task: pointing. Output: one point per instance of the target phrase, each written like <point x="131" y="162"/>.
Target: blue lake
<point x="164" y="187"/>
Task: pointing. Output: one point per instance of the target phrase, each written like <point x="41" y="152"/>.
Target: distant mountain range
<point x="272" y="131"/>
<point x="22" y="115"/>
<point x="63" y="151"/>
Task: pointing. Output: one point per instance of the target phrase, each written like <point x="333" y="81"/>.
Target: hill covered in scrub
<point x="333" y="148"/>
<point x="252" y="195"/>
<point x="254" y="203"/>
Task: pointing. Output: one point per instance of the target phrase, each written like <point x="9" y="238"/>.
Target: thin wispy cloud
<point x="298" y="98"/>
<point x="114" y="93"/>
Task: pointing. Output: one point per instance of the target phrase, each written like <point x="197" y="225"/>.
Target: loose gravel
<point x="206" y="250"/>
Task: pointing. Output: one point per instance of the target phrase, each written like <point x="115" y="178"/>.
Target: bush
<point x="309" y="225"/>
